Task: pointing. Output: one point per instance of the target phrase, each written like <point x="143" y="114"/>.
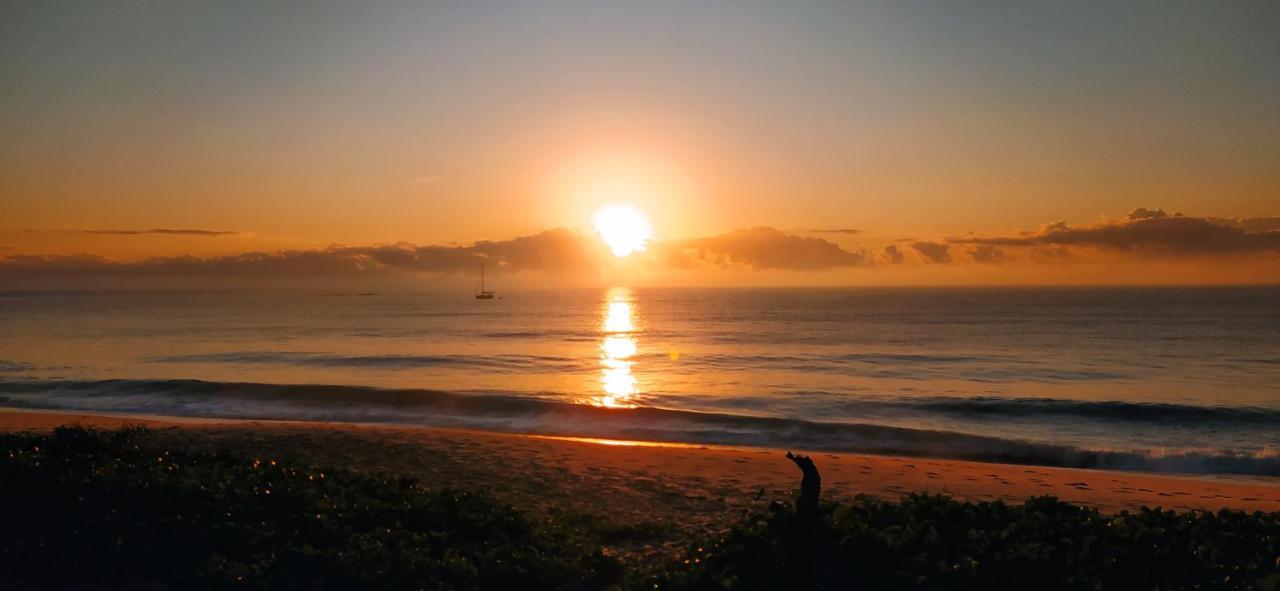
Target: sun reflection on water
<point x="617" y="349"/>
<point x="617" y="315"/>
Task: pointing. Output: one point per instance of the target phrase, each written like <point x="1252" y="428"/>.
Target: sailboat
<point x="482" y="293"/>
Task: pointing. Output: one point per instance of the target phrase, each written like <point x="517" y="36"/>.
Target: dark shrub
<point x="84" y="508"/>
<point x="934" y="542"/>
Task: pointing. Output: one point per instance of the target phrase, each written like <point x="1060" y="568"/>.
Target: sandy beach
<point x="673" y="488"/>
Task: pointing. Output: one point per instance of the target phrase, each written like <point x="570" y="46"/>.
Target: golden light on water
<point x="617" y="348"/>
<point x="617" y="317"/>
<point x="620" y="442"/>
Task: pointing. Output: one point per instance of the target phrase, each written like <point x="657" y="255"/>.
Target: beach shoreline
<point x="627" y="477"/>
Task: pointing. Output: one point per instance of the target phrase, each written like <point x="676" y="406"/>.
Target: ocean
<point x="1148" y="379"/>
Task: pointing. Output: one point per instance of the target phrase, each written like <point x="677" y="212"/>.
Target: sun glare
<point x="624" y="228"/>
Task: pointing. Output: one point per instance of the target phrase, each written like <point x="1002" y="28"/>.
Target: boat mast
<point x="483" y="293"/>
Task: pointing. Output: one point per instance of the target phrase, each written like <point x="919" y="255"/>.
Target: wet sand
<point x="668" y="489"/>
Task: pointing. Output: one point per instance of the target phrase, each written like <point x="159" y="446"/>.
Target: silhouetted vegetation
<point x="935" y="542"/>
<point x="82" y="508"/>
<point x="88" y="509"/>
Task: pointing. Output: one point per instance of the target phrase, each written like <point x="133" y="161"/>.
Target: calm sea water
<point x="1178" y="379"/>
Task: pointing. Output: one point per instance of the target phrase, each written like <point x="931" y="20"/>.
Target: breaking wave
<point x="1032" y="408"/>
<point x="915" y="367"/>
<point x="531" y="414"/>
<point x="500" y="363"/>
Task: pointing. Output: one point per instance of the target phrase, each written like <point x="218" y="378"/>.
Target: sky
<point x="768" y="143"/>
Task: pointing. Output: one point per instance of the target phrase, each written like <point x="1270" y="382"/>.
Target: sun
<point x="624" y="228"/>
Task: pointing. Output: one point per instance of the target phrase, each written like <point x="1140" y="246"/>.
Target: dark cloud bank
<point x="554" y="250"/>
<point x="1144" y="233"/>
<point x="932" y="252"/>
<point x="759" y="249"/>
<point x="848" y="231"/>
<point x="557" y="251"/>
<point x="170" y="231"/>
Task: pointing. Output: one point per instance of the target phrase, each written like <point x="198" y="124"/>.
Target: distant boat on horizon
<point x="482" y="293"/>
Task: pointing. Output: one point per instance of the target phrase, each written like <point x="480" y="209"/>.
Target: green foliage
<point x="934" y="542"/>
<point x="85" y="508"/>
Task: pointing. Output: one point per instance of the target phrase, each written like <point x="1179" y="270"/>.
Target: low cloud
<point x="933" y="252"/>
<point x="553" y="251"/>
<point x="1152" y="233"/>
<point x="849" y="231"/>
<point x="760" y="248"/>
<point x="558" y="251"/>
<point x="985" y="253"/>
<point x="891" y="255"/>
<point x="1258" y="224"/>
<point x="170" y="231"/>
<point x="1143" y="235"/>
<point x="1143" y="213"/>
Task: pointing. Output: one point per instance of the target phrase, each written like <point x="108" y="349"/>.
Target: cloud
<point x="760" y="248"/>
<point x="1146" y="235"/>
<point x="986" y="253"/>
<point x="892" y="255"/>
<point x="1150" y="233"/>
<point x="933" y="252"/>
<point x="1261" y="224"/>
<point x="1258" y="224"/>
<point x="849" y="231"/>
<point x="171" y="231"/>
<point x="557" y="251"/>
<point x="551" y="251"/>
<point x="1143" y="213"/>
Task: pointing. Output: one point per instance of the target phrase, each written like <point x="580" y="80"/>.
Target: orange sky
<point x="293" y="129"/>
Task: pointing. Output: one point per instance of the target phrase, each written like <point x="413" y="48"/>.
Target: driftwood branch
<point x="810" y="489"/>
<point x="803" y="538"/>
